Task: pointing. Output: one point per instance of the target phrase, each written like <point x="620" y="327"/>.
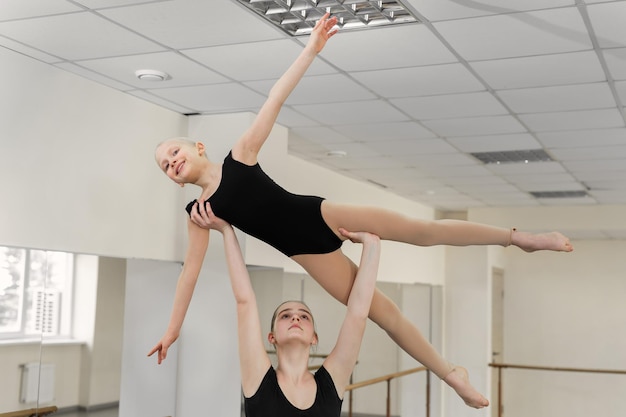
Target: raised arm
<point x="253" y="359"/>
<point x="196" y="249"/>
<point x="248" y="146"/>
<point x="342" y="359"/>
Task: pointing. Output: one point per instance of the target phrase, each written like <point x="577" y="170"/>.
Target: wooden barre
<point x="31" y="412"/>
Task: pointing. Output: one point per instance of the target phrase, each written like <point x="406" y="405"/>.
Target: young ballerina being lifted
<point x="306" y="228"/>
<point x="291" y="389"/>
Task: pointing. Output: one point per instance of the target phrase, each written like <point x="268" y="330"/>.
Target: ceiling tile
<point x="307" y="151"/>
<point x="616" y="61"/>
<point x="194" y="24"/>
<point x="389" y="47"/>
<point x="436" y="163"/>
<point x="580" y="201"/>
<point x="490" y="143"/>
<point x="249" y="61"/>
<point x="609" y="197"/>
<point x="519" y="199"/>
<point x="558" y="98"/>
<point x="397" y="176"/>
<point x="591" y="152"/>
<point x="20" y="9"/>
<point x="539" y="71"/>
<point x="100" y="4"/>
<point x="362" y="163"/>
<point x="479" y="179"/>
<point x="402" y="130"/>
<point x="465" y="174"/>
<point x="408" y="147"/>
<point x="77" y="36"/>
<point x="450" y="106"/>
<point x="161" y="102"/>
<point x="94" y="76"/>
<point x="451" y="9"/>
<point x="181" y="71"/>
<point x="573" y="120"/>
<point x="604" y="165"/>
<point x="433" y="79"/>
<point x="218" y="98"/>
<point x="473" y="126"/>
<point x="607" y="176"/>
<point x="528" y="180"/>
<point x="319" y="89"/>
<point x="620" y="86"/>
<point x="573" y="138"/>
<point x="607" y="20"/>
<point x="28" y="51"/>
<point x="352" y="149"/>
<point x="291" y="118"/>
<point x="372" y="111"/>
<point x="547" y="185"/>
<point x="321" y="135"/>
<point x="517" y="34"/>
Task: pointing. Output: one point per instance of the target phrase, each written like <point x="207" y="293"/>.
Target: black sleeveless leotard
<point x="269" y="400"/>
<point x="250" y="200"/>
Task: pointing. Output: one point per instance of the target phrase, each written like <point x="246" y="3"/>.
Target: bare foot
<point x="531" y="242"/>
<point x="458" y="379"/>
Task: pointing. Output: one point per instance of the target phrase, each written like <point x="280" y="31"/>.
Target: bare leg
<point x="335" y="273"/>
<point x="390" y="225"/>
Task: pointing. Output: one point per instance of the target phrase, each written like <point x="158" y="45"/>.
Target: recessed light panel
<point x="298" y="17"/>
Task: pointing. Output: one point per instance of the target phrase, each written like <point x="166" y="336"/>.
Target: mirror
<point x="23" y="285"/>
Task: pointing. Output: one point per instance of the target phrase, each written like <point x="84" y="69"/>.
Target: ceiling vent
<point x="298" y="17"/>
<point x="506" y="157"/>
<point x="559" y="194"/>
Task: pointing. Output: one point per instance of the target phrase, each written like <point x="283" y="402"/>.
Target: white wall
<point x="566" y="311"/>
<point x="148" y="389"/>
<point x="78" y="171"/>
<point x="466" y="322"/>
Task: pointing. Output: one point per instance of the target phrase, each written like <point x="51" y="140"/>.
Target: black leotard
<point x="250" y="200"/>
<point x="269" y="400"/>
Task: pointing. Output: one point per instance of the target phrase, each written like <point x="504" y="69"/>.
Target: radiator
<point x="37" y="383"/>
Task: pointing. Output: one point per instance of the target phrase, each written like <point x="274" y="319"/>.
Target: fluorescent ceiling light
<point x="297" y="17"/>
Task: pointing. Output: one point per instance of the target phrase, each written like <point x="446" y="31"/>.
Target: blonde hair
<point x="293" y="301"/>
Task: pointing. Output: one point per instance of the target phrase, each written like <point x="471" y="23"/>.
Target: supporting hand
<point x="359" y="237"/>
<point x="203" y="216"/>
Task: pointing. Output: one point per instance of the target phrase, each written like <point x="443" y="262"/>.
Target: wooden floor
<point x="106" y="412"/>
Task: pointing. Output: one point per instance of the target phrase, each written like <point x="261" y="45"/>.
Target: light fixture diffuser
<point x="298" y="17"/>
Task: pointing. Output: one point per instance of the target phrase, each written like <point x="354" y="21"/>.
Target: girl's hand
<point x="359" y="237"/>
<point x="324" y="29"/>
<point x="203" y="216"/>
<point x="162" y="347"/>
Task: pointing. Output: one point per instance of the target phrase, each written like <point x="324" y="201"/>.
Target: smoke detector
<point x="151" y="75"/>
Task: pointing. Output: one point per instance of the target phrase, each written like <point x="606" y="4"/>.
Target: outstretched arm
<point x="342" y="359"/>
<point x="248" y="146"/>
<point x="196" y="249"/>
<point x="254" y="361"/>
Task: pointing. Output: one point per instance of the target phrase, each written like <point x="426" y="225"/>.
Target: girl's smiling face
<point x="173" y="157"/>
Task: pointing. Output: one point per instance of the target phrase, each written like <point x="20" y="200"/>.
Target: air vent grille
<point x="298" y="17"/>
<point x="505" y="157"/>
<point x="559" y="194"/>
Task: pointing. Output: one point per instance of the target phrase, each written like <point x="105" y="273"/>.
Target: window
<point x="35" y="292"/>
